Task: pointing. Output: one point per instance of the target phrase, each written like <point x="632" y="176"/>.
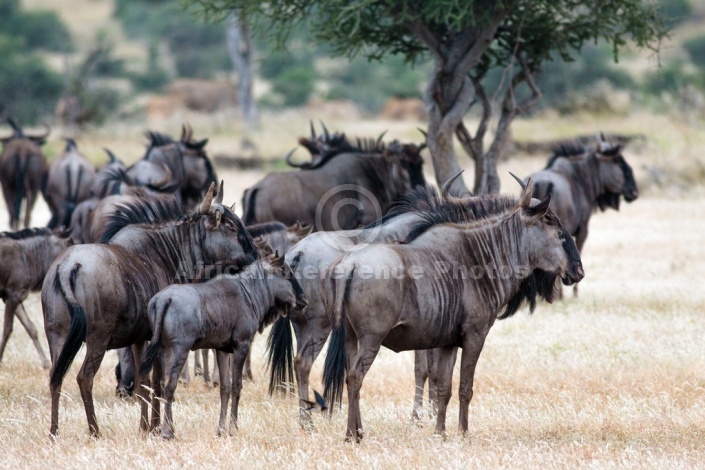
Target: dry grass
<point x="613" y="379"/>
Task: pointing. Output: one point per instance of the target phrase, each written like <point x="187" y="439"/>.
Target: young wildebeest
<point x="425" y="302"/>
<point x="98" y="293"/>
<point x="345" y="191"/>
<point x="25" y="257"/>
<point x="69" y="182"/>
<point x="223" y="313"/>
<point x="278" y="238"/>
<point x="582" y="181"/>
<point x="22" y="172"/>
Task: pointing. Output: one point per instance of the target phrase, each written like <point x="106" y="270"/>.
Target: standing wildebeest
<point x="582" y="181"/>
<point x="69" y="182"/>
<point x="340" y="192"/>
<point x="22" y="172"/>
<point x="25" y="257"/>
<point x="223" y="313"/>
<point x="98" y="293"/>
<point x="443" y="288"/>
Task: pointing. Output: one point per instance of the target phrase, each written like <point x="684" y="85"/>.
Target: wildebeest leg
<point x="29" y="204"/>
<point x="185" y="375"/>
<point x="472" y="347"/>
<point x="368" y="347"/>
<point x="225" y="388"/>
<point x="172" y="367"/>
<point x="310" y="337"/>
<point x="32" y="332"/>
<point x="56" y="343"/>
<point x="238" y="358"/>
<point x="432" y="355"/>
<point x="215" y="375"/>
<point x="443" y="383"/>
<point x="157" y="387"/>
<point x="420" y="376"/>
<point x="10" y="307"/>
<point x="197" y="366"/>
<point x="94" y="356"/>
<point x="141" y="384"/>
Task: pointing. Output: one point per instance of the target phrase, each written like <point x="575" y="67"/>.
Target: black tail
<point x="335" y="368"/>
<point x="77" y="330"/>
<point x="21" y="165"/>
<point x="280" y="347"/>
<point x="149" y="357"/>
<point x="248" y="206"/>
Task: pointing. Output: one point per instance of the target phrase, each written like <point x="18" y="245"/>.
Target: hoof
<point x="122" y="392"/>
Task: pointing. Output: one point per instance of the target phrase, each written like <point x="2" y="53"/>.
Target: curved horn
<point x="313" y="130"/>
<point x="219" y="198"/>
<point x="448" y="184"/>
<point x="15" y="127"/>
<point x="183" y="133"/>
<point x="519" y="180"/>
<point x="325" y="131"/>
<point x="205" y="207"/>
<point x="379" y="139"/>
<point x="40" y="138"/>
<point x="111" y="155"/>
<point x="189" y="133"/>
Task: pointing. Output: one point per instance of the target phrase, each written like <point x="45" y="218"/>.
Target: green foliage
<point x="295" y="85"/>
<point x="671" y="78"/>
<point x="36" y="30"/>
<point x="29" y="89"/>
<point x="695" y="48"/>
<point x="675" y="11"/>
<point x="198" y="49"/>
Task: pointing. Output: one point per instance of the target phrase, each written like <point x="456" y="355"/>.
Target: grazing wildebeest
<point x="223" y="313"/>
<point x="443" y="288"/>
<point x="22" y="172"/>
<point x="25" y="257"/>
<point x="98" y="293"/>
<point x="69" y="182"/>
<point x="582" y="181"/>
<point x="346" y="190"/>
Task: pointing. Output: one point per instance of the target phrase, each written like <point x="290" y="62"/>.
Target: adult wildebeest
<point x="346" y="190"/>
<point x="443" y="288"/>
<point x="25" y="257"/>
<point x="583" y="181"/>
<point x="98" y="293"/>
<point x="22" y="172"/>
<point x="69" y="182"/>
<point x="223" y="313"/>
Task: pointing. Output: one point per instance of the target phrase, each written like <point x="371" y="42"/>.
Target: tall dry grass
<point x="613" y="379"/>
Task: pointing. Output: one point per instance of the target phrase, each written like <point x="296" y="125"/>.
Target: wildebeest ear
<point x="526" y="194"/>
<point x="232" y="208"/>
<point x="263" y="247"/>
<point x="199" y="145"/>
<point x="540" y="209"/>
<point x="219" y="198"/>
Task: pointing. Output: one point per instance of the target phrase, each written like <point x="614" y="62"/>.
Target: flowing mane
<point x="567" y="149"/>
<point x="141" y="212"/>
<point x="26" y="233"/>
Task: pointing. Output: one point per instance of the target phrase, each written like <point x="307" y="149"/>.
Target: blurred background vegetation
<point x="51" y="69"/>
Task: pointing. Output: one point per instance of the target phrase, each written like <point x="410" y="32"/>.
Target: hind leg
<point x="178" y="355"/>
<point x="420" y="376"/>
<point x="29" y="205"/>
<point x="157" y="386"/>
<point x="368" y="347"/>
<point x="239" y="359"/>
<point x="311" y="337"/>
<point x="247" y="368"/>
<point x="185" y="375"/>
<point x="443" y="384"/>
<point x="94" y="356"/>
<point x="32" y="332"/>
<point x="10" y="308"/>
<point x="223" y="359"/>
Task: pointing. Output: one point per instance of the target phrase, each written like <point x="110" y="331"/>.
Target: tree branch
<point x="423" y="34"/>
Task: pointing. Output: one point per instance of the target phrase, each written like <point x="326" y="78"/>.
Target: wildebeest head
<point x="227" y="236"/>
<point x="286" y="288"/>
<point x="410" y="158"/>
<point x="198" y="169"/>
<point x="548" y="243"/>
<point x="617" y="177"/>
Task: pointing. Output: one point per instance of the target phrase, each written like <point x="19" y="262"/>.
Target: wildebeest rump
<point x="348" y="190"/>
<point x="25" y="257"/>
<point x="223" y="313"/>
<point x="22" y="172"/>
<point x="429" y="306"/>
<point x="98" y="293"/>
<point x="69" y="182"/>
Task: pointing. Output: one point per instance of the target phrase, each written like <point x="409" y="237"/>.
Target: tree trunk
<point x="239" y="42"/>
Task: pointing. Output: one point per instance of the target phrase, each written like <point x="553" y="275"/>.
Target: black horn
<point x="446" y="186"/>
<point x="519" y="180"/>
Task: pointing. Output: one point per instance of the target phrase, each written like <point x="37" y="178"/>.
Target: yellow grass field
<point x="613" y="379"/>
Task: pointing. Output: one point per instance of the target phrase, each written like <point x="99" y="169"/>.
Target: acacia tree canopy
<point x="465" y="40"/>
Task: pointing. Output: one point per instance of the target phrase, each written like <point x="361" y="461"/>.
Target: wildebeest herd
<point x="148" y="259"/>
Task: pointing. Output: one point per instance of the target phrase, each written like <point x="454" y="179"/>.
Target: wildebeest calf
<point x="224" y="314"/>
<point x="25" y="257"/>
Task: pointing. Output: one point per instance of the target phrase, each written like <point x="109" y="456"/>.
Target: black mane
<point x="157" y="139"/>
<point x="27" y="233"/>
<point x="141" y="212"/>
<point x="256" y="230"/>
<point x="539" y="283"/>
<point x="567" y="149"/>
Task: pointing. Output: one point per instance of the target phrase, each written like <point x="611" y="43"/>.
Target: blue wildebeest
<point x="22" y="172"/>
<point x="25" y="257"/>
<point x="69" y="182"/>
<point x="98" y="293"/>
<point x="434" y="297"/>
<point x="582" y="181"/>
<point x="223" y="313"/>
<point x="317" y="195"/>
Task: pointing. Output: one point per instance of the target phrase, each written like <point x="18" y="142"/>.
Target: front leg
<point x="32" y="332"/>
<point x="222" y="359"/>
<point x="472" y="347"/>
<point x="10" y="307"/>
